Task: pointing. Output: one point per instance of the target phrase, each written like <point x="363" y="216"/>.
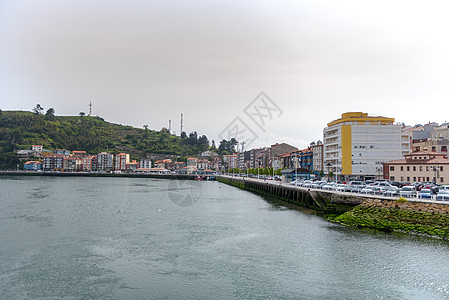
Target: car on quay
<point x="443" y="195"/>
<point x="425" y="194"/>
<point x="357" y="188"/>
<point x="378" y="190"/>
<point x="367" y="190"/>
<point x="391" y="193"/>
<point x="408" y="191"/>
<point x="329" y="186"/>
<point x="341" y="187"/>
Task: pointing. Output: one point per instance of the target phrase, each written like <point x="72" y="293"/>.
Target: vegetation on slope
<point x="20" y="130"/>
<point x="409" y="221"/>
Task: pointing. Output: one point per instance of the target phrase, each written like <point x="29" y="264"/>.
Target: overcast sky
<point x="145" y="62"/>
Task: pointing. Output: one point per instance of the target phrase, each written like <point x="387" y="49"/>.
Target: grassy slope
<point x="20" y="130"/>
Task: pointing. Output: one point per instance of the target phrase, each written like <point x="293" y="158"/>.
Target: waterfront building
<point x="72" y="163"/>
<point x="276" y="150"/>
<point x="121" y="160"/>
<point x="89" y="163"/>
<point x="317" y="156"/>
<point x="33" y="165"/>
<point x="164" y="164"/>
<point x="230" y="161"/>
<point x="356" y="145"/>
<point x="145" y="163"/>
<point x="105" y="161"/>
<point x="54" y="162"/>
<point x="179" y="165"/>
<point x="132" y="166"/>
<point x="423" y="166"/>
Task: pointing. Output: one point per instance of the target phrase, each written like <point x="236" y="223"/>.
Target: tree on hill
<point x="50" y="113"/>
<point x="38" y="109"/>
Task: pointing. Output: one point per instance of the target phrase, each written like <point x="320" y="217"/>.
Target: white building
<point x="357" y="145"/>
<point x="145" y="163"/>
<point x="105" y="161"/>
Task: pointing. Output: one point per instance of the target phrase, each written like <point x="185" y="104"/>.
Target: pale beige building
<point x="421" y="166"/>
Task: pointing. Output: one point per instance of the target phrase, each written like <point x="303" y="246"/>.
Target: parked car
<point x="357" y="188"/>
<point x="367" y="190"/>
<point x="408" y="191"/>
<point x="442" y="195"/>
<point x="329" y="186"/>
<point x="342" y="187"/>
<point x="378" y="190"/>
<point x="391" y="193"/>
<point x="425" y="194"/>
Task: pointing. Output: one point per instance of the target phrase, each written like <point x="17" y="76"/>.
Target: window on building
<point x="392" y="178"/>
<point x="434" y="149"/>
<point x="408" y="178"/>
<point x="443" y="148"/>
<point x="414" y="179"/>
<point x="427" y="179"/>
<point x="402" y="168"/>
<point x="408" y="168"/>
<point x="391" y="168"/>
<point x="441" y="168"/>
<point x="441" y="179"/>
<point x="414" y="168"/>
<point x="420" y="168"/>
<point x="402" y="178"/>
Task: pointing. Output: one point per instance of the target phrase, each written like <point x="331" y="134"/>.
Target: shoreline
<point x="84" y="174"/>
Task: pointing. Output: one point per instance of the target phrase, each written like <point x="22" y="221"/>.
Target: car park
<point x="442" y="195"/>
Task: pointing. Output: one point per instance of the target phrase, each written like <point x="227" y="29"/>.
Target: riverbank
<point x="389" y="215"/>
<point x="429" y="219"/>
<point x="85" y="174"/>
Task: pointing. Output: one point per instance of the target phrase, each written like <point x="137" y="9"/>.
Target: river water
<point x="140" y="238"/>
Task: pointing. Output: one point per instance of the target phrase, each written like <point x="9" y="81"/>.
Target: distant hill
<point x="19" y="130"/>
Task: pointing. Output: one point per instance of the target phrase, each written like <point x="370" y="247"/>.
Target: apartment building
<point x="105" y="161"/>
<point x="121" y="160"/>
<point x="356" y="145"/>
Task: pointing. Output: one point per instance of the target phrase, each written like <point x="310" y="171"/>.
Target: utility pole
<point x="181" y="123"/>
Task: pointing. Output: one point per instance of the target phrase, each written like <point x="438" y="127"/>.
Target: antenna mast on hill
<point x="169" y="126"/>
<point x="181" y="123"/>
<point x="90" y="108"/>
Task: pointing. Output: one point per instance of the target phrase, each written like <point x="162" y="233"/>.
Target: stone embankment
<point x="433" y="208"/>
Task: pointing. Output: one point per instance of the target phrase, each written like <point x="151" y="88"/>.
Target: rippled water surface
<point x="131" y="238"/>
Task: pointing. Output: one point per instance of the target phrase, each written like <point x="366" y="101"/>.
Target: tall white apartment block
<point x="356" y="145"/>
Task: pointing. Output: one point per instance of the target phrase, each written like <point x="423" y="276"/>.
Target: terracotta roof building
<point x="421" y="166"/>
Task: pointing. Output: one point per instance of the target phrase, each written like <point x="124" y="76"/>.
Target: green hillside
<point x="20" y="130"/>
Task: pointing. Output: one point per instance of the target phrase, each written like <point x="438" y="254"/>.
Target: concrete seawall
<point x="361" y="211"/>
<point x="320" y="200"/>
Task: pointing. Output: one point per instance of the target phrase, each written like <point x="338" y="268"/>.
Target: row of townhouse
<point x="64" y="160"/>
